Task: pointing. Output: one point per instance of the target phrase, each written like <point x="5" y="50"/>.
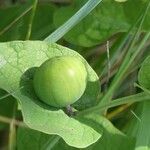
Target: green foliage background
<point x="113" y="39"/>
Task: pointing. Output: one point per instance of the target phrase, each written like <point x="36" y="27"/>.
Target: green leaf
<point x="143" y="132"/>
<point x="138" y="127"/>
<point x="133" y="12"/>
<point x="111" y="135"/>
<point x="42" y="29"/>
<point x="143" y="128"/>
<point x="99" y="25"/>
<point x="144" y="73"/>
<point x="18" y="61"/>
<point x="110" y="138"/>
<point x="40" y="141"/>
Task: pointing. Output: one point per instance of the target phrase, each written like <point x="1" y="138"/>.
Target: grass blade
<point x="120" y="101"/>
<point x="76" y="18"/>
<point x="130" y="56"/>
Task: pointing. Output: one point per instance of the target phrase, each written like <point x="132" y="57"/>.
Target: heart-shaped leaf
<point x="18" y="61"/>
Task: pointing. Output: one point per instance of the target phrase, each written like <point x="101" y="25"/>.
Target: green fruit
<point x="60" y="81"/>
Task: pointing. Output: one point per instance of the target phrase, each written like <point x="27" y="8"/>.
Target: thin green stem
<point x="14" y="21"/>
<point x="124" y="100"/>
<point x="31" y="19"/>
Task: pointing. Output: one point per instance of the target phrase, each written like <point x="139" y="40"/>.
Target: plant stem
<point x="125" y="100"/>
<point x="31" y="19"/>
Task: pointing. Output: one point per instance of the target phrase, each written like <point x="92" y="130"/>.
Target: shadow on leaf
<point x="27" y="83"/>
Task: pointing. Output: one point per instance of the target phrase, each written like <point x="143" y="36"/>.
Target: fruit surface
<point x="60" y="81"/>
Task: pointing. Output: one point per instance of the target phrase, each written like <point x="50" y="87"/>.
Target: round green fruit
<point x="60" y="81"/>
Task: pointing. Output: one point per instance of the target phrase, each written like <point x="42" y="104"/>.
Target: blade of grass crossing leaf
<point x="76" y="18"/>
<point x="129" y="58"/>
